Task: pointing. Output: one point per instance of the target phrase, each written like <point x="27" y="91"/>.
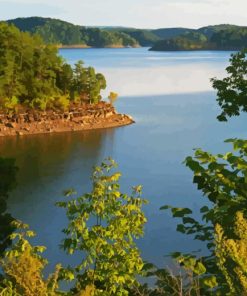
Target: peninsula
<point x="41" y="93"/>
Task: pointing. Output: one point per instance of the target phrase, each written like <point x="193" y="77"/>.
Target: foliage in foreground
<point x="223" y="181"/>
<point x="23" y="267"/>
<point x="103" y="226"/>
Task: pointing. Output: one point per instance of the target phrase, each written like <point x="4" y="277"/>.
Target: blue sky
<point x="132" y="13"/>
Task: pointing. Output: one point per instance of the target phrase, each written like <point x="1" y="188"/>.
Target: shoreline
<point x="32" y="123"/>
<point x="82" y="46"/>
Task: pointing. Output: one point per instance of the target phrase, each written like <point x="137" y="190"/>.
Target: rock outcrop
<point x="83" y="117"/>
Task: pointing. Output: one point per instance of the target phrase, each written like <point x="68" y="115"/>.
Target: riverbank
<point x="86" y="117"/>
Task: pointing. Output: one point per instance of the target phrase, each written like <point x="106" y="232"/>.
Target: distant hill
<point x="143" y="37"/>
<point x="210" y="30"/>
<point x="60" y="32"/>
<point x="147" y="37"/>
<point x="171" y="32"/>
<point x="220" y="37"/>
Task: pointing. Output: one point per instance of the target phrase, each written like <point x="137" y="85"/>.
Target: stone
<point x="11" y="124"/>
<point x="19" y="133"/>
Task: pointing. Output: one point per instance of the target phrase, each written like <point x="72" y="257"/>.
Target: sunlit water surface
<point x="170" y="97"/>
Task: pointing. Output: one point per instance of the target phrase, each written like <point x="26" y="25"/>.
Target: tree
<point x="65" y="78"/>
<point x="103" y="226"/>
<point x="232" y="90"/>
<point x="87" y="84"/>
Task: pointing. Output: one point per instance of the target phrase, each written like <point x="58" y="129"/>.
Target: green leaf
<point x="199" y="268"/>
<point x="204" y="209"/>
<point x="166" y="207"/>
<point x="181" y="212"/>
<point x="210" y="282"/>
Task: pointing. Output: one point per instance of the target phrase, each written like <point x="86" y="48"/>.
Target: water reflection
<point x="8" y="172"/>
<point x="42" y="156"/>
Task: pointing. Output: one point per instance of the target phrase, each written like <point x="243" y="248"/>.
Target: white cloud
<point x="13" y="9"/>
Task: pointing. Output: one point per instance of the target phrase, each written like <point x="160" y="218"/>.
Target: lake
<point x="170" y="97"/>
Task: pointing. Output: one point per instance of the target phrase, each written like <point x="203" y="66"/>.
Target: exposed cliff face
<point x="86" y="117"/>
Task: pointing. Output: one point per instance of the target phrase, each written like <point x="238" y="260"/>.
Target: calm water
<point x="170" y="98"/>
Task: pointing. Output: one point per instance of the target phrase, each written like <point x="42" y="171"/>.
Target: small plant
<point x="62" y="102"/>
<point x="10" y="104"/>
<point x="42" y="104"/>
<point x="112" y="97"/>
<point x="103" y="225"/>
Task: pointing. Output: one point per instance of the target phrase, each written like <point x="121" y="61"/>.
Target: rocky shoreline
<point x="79" y="118"/>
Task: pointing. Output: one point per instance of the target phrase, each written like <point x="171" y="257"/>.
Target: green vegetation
<point x="34" y="75"/>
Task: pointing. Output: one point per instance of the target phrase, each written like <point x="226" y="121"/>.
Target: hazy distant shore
<point x="78" y="46"/>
